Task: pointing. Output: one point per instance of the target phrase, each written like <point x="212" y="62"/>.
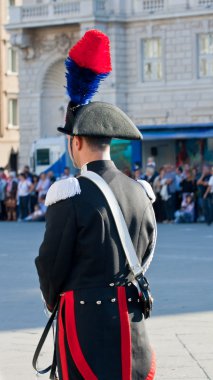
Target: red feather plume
<point x="92" y="52"/>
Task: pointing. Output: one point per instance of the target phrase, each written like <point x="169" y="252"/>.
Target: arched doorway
<point x="53" y="99"/>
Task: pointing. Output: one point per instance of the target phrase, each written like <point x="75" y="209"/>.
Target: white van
<point x="50" y="154"/>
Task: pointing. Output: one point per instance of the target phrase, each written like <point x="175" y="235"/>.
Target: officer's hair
<point x="98" y="143"/>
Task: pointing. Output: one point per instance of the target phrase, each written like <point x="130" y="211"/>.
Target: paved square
<point x="181" y="277"/>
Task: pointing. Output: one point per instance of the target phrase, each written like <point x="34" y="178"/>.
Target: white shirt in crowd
<point x="24" y="188"/>
<point x="211" y="184"/>
<point x="43" y="186"/>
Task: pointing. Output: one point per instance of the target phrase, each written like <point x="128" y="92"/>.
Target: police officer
<point x="101" y="333"/>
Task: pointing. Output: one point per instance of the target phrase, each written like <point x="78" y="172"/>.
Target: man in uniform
<point x="101" y="332"/>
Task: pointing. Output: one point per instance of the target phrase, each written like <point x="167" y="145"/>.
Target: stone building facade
<point x="9" y="118"/>
<point x="162" y="56"/>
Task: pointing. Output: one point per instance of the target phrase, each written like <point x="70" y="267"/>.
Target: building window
<point x="12" y="60"/>
<point x="12" y="113"/>
<point x="205" y="42"/>
<point x="11" y="3"/>
<point x="152" y="59"/>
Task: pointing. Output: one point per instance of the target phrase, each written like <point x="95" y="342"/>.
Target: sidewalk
<point x="183" y="345"/>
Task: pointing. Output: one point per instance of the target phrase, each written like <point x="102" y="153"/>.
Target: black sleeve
<point x="148" y="232"/>
<point x="55" y="254"/>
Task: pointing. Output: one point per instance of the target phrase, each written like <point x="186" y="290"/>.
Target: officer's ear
<point x="78" y="142"/>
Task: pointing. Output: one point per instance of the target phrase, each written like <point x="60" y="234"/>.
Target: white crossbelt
<point x="123" y="232"/>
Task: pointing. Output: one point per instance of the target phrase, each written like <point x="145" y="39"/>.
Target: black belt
<point x="52" y="367"/>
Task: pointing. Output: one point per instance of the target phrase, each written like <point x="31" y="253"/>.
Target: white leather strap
<point x="123" y="232"/>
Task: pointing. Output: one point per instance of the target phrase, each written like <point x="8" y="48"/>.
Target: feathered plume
<point x="88" y="63"/>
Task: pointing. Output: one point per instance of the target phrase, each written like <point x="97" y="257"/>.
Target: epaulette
<point x="148" y="189"/>
<point x="62" y="189"/>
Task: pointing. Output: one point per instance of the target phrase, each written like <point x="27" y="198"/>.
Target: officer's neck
<point x="94" y="156"/>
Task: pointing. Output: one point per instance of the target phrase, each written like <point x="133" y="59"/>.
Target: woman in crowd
<point x="43" y="185"/>
<point x="11" y="196"/>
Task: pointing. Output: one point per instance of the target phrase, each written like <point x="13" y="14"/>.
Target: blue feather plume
<point x="82" y="83"/>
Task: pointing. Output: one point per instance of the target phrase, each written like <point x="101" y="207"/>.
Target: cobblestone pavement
<point x="181" y="277"/>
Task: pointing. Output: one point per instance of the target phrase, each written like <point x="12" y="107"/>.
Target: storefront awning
<point x="178" y="131"/>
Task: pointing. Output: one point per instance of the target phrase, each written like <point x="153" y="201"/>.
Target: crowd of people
<point x="22" y="197"/>
<point x="183" y="194"/>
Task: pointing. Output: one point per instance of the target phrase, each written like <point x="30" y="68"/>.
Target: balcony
<point x="61" y="12"/>
<point x="168" y="8"/>
<point x="56" y="13"/>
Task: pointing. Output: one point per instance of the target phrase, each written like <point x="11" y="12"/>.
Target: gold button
<point x="113" y="300"/>
<point x="98" y="302"/>
<point x="82" y="302"/>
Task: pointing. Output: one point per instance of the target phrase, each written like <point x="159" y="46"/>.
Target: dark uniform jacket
<point x="101" y="332"/>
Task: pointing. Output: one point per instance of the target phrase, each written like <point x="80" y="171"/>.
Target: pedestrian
<point x="186" y="213"/>
<point x="159" y="205"/>
<point x="2" y="174"/>
<point x="188" y="184"/>
<point x="28" y="174"/>
<point x="3" y="184"/>
<point x="150" y="174"/>
<point x="38" y="214"/>
<point x="178" y="193"/>
<point x="23" y="195"/>
<point x="101" y="331"/>
<point x="11" y="196"/>
<point x="208" y="197"/>
<point x="151" y="162"/>
<point x="202" y="184"/>
<point x="170" y="178"/>
<point x="51" y="177"/>
<point x="196" y="176"/>
<point x="66" y="173"/>
<point x="43" y="185"/>
<point x="137" y="173"/>
<point x="34" y="193"/>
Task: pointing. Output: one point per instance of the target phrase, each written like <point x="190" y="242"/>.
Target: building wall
<point x="9" y="136"/>
<point x="180" y="97"/>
